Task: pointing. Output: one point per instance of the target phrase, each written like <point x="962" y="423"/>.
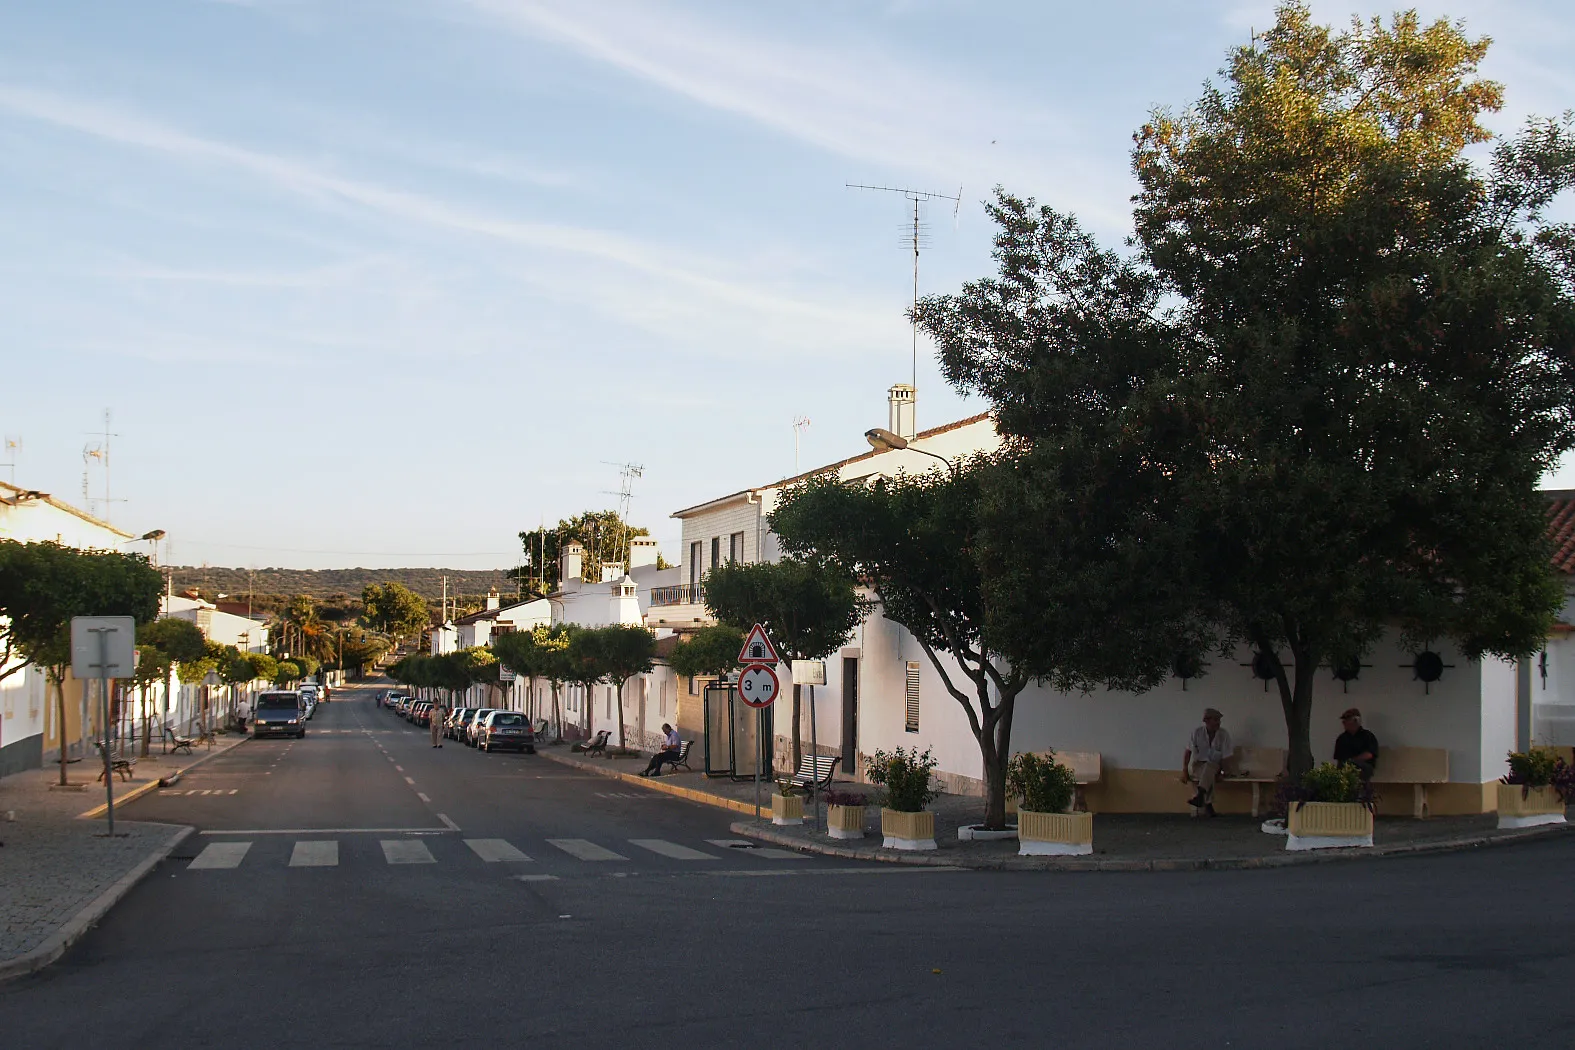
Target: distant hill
<point x="320" y="583"/>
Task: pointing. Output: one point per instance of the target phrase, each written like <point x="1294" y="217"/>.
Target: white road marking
<point x="400" y="768"/>
<point x="495" y="850"/>
<point x="320" y="854"/>
<point x="407" y="851"/>
<point x="412" y="783"/>
<point x="449" y="823"/>
<point x="671" y="849"/>
<point x="747" y="847"/>
<point x="885" y="869"/>
<point x="332" y="831"/>
<point x="538" y="878"/>
<point x="422" y="797"/>
<point x="584" y="849"/>
<point x="220" y="855"/>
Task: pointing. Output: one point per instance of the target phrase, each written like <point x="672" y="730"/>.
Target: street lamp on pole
<point x="883" y="440"/>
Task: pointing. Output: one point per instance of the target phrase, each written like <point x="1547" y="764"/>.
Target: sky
<point x="383" y="282"/>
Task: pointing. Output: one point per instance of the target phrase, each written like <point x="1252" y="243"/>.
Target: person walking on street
<point x="439" y="714"/>
<point x="1207" y="750"/>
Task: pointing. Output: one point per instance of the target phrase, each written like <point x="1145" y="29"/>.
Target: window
<point x="912" y="720"/>
<point x="716" y="551"/>
<point x="694" y="686"/>
<point x="695" y="554"/>
<point x="735" y="547"/>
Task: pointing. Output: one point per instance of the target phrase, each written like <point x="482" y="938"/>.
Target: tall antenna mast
<point x="13" y="449"/>
<point x="915" y="239"/>
<point x="98" y="452"/>
<point x="800" y="424"/>
<point x="627" y="473"/>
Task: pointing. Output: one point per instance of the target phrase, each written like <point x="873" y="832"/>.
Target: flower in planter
<point x="1043" y="784"/>
<point x="905" y="774"/>
<point x="850" y="799"/>
<point x="1541" y="767"/>
<point x="1329" y="782"/>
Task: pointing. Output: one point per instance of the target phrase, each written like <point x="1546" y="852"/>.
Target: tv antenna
<point x="13" y="449"/>
<point x="800" y="424"/>
<point x="916" y="238"/>
<point x="100" y="453"/>
<point x="627" y="473"/>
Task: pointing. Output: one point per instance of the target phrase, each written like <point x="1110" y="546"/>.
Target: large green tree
<point x="1366" y="352"/>
<point x="808" y="608"/>
<point x="44" y="585"/>
<point x="394" y="609"/>
<point x="709" y="651"/>
<point x="604" y="535"/>
<point x="179" y="641"/>
<point x="538" y="653"/>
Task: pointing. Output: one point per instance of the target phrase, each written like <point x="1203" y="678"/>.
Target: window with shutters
<point x="735" y="547"/>
<point x="912" y="721"/>
<point x="695" y="555"/>
<point x="716" y="551"/>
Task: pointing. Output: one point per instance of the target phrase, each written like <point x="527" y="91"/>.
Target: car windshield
<point x="277" y="701"/>
<point x="508" y="720"/>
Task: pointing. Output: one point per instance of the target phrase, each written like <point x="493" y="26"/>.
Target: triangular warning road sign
<point x="758" y="648"/>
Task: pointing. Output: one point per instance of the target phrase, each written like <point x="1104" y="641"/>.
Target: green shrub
<point x="1043" y="784"/>
<point x="905" y="774"/>
<point x="1534" y="768"/>
<point x="1333" y="782"/>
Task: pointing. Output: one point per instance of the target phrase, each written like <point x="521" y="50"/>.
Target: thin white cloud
<point x="678" y="274"/>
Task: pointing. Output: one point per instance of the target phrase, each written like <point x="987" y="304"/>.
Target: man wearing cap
<point x="1356" y="745"/>
<point x="1207" y="750"/>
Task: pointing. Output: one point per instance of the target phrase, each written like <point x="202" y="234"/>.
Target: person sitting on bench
<point x="672" y="748"/>
<point x="1356" y="745"/>
<point x="1207" y="749"/>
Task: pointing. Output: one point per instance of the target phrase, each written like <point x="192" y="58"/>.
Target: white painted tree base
<point x="845" y="833"/>
<point x="1534" y="820"/>
<point x="787" y="821"/>
<point x="1031" y="848"/>
<point x="893" y="842"/>
<point x="1300" y="842"/>
<point x="975" y="833"/>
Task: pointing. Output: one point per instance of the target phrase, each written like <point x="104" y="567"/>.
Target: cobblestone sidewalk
<point x="59" y="872"/>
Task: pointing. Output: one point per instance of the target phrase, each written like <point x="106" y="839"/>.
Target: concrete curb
<point x="765" y="833"/>
<point x="142" y="789"/>
<point x="84" y="920"/>
<point x="654" y="784"/>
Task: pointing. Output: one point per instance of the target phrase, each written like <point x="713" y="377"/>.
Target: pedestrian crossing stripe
<point x="325" y="853"/>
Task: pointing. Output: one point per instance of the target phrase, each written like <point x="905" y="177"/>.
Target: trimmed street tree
<point x="710" y="651"/>
<point x="625" y="650"/>
<point x="43" y="585"/>
<point x="180" y="641"/>
<point x="393" y="609"/>
<point x="808" y="608"/>
<point x="1364" y="355"/>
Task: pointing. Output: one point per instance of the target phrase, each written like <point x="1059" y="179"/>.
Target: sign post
<point x="104" y="647"/>
<point x="758" y="687"/>
<point x="812" y="673"/>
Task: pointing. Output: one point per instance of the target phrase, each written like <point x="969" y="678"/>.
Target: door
<point x="850" y="716"/>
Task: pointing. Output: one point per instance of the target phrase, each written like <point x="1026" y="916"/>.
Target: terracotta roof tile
<point x="1561" y="530"/>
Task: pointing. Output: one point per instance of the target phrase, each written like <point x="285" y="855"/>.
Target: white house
<point x="881" y="690"/>
<point x="30" y="728"/>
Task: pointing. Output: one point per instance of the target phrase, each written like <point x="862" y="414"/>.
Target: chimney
<point x="611" y="570"/>
<point x="569" y="563"/>
<point x="492" y="599"/>
<point x="900" y="402"/>
<point x="642" y="551"/>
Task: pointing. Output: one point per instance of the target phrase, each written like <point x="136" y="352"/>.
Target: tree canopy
<point x="709" y="651"/>
<point x="1329" y="376"/>
<point x="604" y="535"/>
<point x="394" y="609"/>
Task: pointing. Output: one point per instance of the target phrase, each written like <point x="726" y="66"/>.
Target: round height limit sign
<point x="758" y="686"/>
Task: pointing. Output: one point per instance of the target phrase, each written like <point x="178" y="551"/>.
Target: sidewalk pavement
<point x="1122" y="841"/>
<point x="59" y="872"/>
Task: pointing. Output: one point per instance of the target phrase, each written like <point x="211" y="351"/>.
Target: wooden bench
<point x="1256" y="766"/>
<point x="119" y="762"/>
<point x="1416" y="766"/>
<point x="815" y="771"/>
<point x="597" y="745"/>
<point x="179" y="743"/>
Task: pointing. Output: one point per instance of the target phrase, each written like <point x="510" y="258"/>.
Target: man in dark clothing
<point x="1356" y="745"/>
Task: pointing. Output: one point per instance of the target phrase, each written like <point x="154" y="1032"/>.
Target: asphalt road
<point x="441" y="895"/>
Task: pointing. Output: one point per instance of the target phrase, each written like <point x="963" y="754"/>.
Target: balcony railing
<point x="683" y="594"/>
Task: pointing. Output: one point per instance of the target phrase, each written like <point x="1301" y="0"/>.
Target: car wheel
<point x="530" y="750"/>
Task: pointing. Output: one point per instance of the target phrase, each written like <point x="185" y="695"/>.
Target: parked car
<point x="508" y="731"/>
<point x="279" y="713"/>
<point x="468" y="735"/>
<point x="456" y="718"/>
<point x="421" y="714"/>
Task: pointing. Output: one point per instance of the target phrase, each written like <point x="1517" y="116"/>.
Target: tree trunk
<point x="619" y="704"/>
<point x="147" y="723"/>
<point x="1296" y="696"/>
<point x="60" y="701"/>
<point x="557" y="714"/>
<point x="995" y="752"/>
<point x="798" y="741"/>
